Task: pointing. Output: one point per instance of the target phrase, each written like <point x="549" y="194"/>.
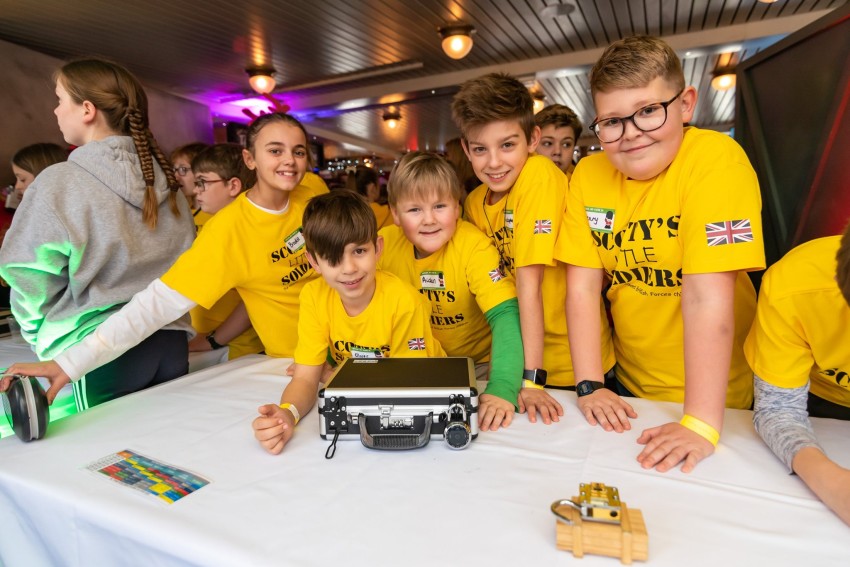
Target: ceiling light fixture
<point x="539" y="101"/>
<point x="724" y="79"/>
<point x="261" y="79"/>
<point x="392" y="117"/>
<point x="457" y="39"/>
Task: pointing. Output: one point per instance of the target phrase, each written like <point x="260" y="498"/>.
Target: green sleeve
<point x="506" y="358"/>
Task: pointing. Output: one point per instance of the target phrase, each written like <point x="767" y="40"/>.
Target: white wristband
<point x="293" y="410"/>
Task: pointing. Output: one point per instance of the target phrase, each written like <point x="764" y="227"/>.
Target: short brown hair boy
<point x="419" y="174"/>
<point x="334" y="220"/>
<point x="559" y="116"/>
<point x="493" y="98"/>
<point x="634" y="62"/>
<point x="225" y="160"/>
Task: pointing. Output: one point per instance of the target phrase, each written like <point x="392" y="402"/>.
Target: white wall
<point x="27" y="101"/>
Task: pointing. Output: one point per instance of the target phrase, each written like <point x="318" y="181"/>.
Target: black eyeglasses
<point x="646" y="119"/>
<point x="202" y="183"/>
<point x="182" y="170"/>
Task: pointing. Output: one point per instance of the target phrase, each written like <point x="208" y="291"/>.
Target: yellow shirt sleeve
<point x="537" y="202"/>
<point x="575" y="244"/>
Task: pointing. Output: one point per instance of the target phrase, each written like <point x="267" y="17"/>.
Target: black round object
<point x="25" y="405"/>
<point x="457" y="434"/>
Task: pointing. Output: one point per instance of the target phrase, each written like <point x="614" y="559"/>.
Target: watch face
<point x="588" y="387"/>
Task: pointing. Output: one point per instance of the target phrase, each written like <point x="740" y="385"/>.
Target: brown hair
<point x="421" y="174"/>
<point x="188" y="151"/>
<point x="634" y="62"/>
<point x="559" y="116"/>
<point x="334" y="220"/>
<point x="361" y="178"/>
<point x="842" y="271"/>
<point x="225" y="160"/>
<point x="38" y="157"/>
<point x="493" y="98"/>
<point x="461" y="164"/>
<point x="261" y="122"/>
<point x="122" y="101"/>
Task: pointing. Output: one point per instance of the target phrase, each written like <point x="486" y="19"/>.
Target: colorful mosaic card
<point x="147" y="475"/>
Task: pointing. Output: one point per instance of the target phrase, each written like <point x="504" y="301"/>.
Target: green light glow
<point x="63" y="406"/>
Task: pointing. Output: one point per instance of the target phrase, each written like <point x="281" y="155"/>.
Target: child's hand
<point x="199" y="344"/>
<point x="273" y="428"/>
<point x="532" y="400"/>
<point x="670" y="444"/>
<point x="494" y="412"/>
<point x="47" y="369"/>
<point x="607" y="409"/>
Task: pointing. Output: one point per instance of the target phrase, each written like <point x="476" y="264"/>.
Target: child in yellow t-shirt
<point x="456" y="267"/>
<point x="220" y="176"/>
<point x="355" y="310"/>
<point x="670" y="217"/>
<point x="520" y="207"/>
<point x="797" y="348"/>
<point x="560" y="129"/>
<point x="254" y="245"/>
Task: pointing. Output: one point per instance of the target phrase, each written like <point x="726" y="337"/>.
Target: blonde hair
<point x="421" y="174"/>
<point x="493" y="98"/>
<point x="121" y="100"/>
<point x="38" y="157"/>
<point x="634" y="62"/>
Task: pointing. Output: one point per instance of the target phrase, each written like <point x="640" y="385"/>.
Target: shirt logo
<point x="295" y="241"/>
<point x="543" y="227"/>
<point x="728" y="232"/>
<point x="432" y="280"/>
<point x="496" y="275"/>
<point x="416" y="344"/>
<point x="600" y="220"/>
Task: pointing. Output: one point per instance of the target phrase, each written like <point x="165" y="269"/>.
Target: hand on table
<point x="274" y="428"/>
<point x="604" y="407"/>
<point x="494" y="412"/>
<point x="199" y="344"/>
<point x="670" y="444"/>
<point x="533" y="400"/>
<point x="47" y="369"/>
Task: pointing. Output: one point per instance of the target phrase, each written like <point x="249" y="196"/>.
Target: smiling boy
<point x="560" y="129"/>
<point x="669" y="216"/>
<point x="520" y="207"/>
<point x="456" y="267"/>
<point x="354" y="310"/>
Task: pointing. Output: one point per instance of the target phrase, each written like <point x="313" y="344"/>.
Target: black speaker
<point x="25" y="405"/>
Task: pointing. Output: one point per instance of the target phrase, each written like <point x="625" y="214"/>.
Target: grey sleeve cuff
<point x="782" y="420"/>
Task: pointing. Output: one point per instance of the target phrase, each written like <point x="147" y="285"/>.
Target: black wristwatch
<point x="536" y="376"/>
<point x="587" y="387"/>
<point x="213" y="344"/>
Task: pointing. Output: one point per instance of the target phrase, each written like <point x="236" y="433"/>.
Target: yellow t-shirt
<point x="700" y="215"/>
<point x="200" y="218"/>
<point x="802" y="327"/>
<point x="394" y="324"/>
<point x="206" y="321"/>
<point x="462" y="282"/>
<point x="524" y="225"/>
<point x="382" y="215"/>
<point x="311" y="185"/>
<point x="259" y="254"/>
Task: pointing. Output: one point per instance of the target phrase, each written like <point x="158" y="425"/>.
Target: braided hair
<point x="122" y="101"/>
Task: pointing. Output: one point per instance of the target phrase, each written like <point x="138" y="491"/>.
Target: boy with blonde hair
<point x="220" y="175"/>
<point x="797" y="348"/>
<point x="353" y="311"/>
<point x="456" y="267"/>
<point x="520" y="207"/>
<point x="560" y="129"/>
<point x="669" y="216"/>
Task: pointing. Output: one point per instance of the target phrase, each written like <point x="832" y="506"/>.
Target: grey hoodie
<point x="78" y="249"/>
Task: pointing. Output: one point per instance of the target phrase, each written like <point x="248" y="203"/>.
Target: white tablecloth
<point x="488" y="504"/>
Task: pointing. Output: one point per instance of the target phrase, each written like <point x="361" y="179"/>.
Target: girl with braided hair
<point x="98" y="228"/>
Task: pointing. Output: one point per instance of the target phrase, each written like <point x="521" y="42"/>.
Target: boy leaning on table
<point x="353" y="311"/>
<point x="799" y="350"/>
<point x="670" y="216"/>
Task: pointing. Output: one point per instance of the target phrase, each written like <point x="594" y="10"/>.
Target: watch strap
<point x="212" y="341"/>
<point x="587" y="387"/>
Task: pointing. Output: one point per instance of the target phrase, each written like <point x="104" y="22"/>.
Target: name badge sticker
<point x="363" y="353"/>
<point x="509" y="219"/>
<point x="600" y="220"/>
<point x="432" y="280"/>
<point x="295" y="241"/>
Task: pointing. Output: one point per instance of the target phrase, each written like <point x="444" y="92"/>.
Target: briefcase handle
<point x="399" y="441"/>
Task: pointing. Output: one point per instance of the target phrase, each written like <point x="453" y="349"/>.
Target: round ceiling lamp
<point x="392" y="119"/>
<point x="539" y="101"/>
<point x="457" y="39"/>
<point x="723" y="80"/>
<point x="261" y="79"/>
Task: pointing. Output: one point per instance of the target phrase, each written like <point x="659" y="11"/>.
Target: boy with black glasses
<point x="670" y="217"/>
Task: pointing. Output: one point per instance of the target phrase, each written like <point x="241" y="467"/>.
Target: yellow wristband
<point x="293" y="410"/>
<point x="701" y="428"/>
<point x="530" y="384"/>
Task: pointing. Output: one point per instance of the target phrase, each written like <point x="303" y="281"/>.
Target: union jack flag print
<point x="728" y="232"/>
<point x="416" y="344"/>
<point x="496" y="275"/>
<point x="543" y="227"/>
